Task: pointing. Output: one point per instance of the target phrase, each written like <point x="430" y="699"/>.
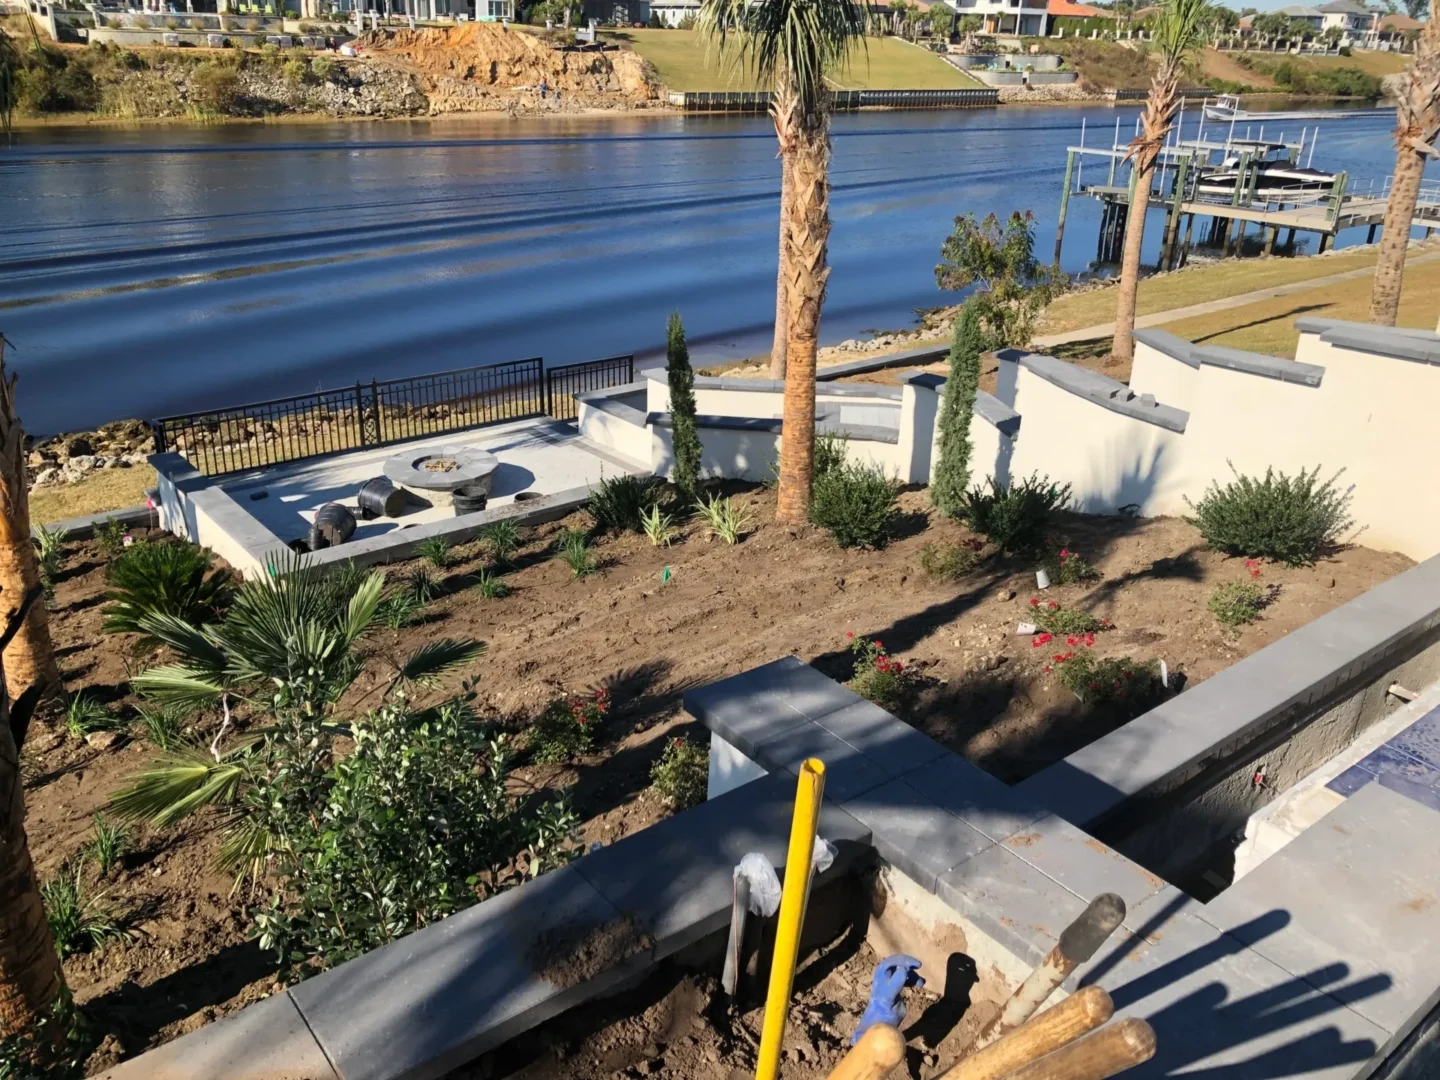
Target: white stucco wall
<point x="629" y="440"/>
<point x="1171" y="381"/>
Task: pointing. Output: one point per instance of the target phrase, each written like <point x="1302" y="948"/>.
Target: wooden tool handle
<point x="879" y="1050"/>
<point x="1109" y="1051"/>
<point x="1077" y="1015"/>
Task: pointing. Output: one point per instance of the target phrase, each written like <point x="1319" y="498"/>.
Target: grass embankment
<point x="684" y="62"/>
<point x="108" y="489"/>
<point x="1265" y="326"/>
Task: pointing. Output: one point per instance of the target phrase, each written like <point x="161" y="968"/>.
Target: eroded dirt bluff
<point x="486" y="66"/>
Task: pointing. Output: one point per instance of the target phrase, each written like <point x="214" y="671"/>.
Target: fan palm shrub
<point x="164" y="579"/>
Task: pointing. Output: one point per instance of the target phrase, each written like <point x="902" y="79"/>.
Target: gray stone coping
<point x="995" y="412"/>
<point x="1173" y="741"/>
<point x="1177" y="348"/>
<point x="774" y="426"/>
<point x="926" y="354"/>
<point x="1100" y="389"/>
<point x="1270" y="367"/>
<point x="926" y="380"/>
<point x="776" y="386"/>
<point x="1312" y="324"/>
<point x="82" y="528"/>
<point x="1386" y="342"/>
<point x="610" y="401"/>
<point x="994" y="855"/>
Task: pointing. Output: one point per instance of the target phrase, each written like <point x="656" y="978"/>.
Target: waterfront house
<point x="1027" y="18"/>
<point x="674" y="12"/>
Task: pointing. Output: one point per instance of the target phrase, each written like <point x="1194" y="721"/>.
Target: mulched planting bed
<point x="647" y="636"/>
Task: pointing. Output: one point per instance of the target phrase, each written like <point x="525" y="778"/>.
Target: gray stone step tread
<point x="675" y="878"/>
<point x="266" y="1041"/>
<point x="975" y="797"/>
<point x="1220" y="1009"/>
<point x="890" y="743"/>
<point x="914" y="834"/>
<point x="1082" y="864"/>
<point x="442" y="995"/>
<point x="1359" y="891"/>
<point x="847" y="771"/>
<point x="748" y="708"/>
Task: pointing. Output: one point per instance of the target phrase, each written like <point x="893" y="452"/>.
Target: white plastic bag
<point x="823" y="855"/>
<point x="764" y="885"/>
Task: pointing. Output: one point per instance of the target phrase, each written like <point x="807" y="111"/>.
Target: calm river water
<point x="155" y="270"/>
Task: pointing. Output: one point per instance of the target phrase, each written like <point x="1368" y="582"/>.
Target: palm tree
<point x="1179" y="28"/>
<point x="30" y="980"/>
<point x="289" y="648"/>
<point x="777" y="344"/>
<point x="1417" y="126"/>
<point x="29" y="661"/>
<point x="791" y="43"/>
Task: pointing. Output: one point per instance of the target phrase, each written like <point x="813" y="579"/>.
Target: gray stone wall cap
<point x="1100" y="389"/>
<point x="996" y="413"/>
<point x="859" y="390"/>
<point x="618" y="409"/>
<point x="1270" y="367"/>
<point x="927" y="380"/>
<point x="1312" y="324"/>
<point x="1176" y="348"/>
<point x="723" y="423"/>
<point x="860" y="432"/>
<point x="83" y="527"/>
<point x="924" y="355"/>
<point x="639" y="386"/>
<point x="1388" y="342"/>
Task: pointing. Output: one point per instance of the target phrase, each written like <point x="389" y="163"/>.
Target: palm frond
<point x="198" y="645"/>
<point x="435" y="658"/>
<point x="364" y="604"/>
<point x="793" y="40"/>
<point x="245" y="848"/>
<point x="180" y="782"/>
<point x="180" y="686"/>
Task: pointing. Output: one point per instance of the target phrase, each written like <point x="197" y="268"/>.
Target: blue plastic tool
<point x="892" y="975"/>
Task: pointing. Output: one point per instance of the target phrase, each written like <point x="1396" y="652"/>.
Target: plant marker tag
<point x="127" y="540"/>
<point x="1026" y="629"/>
<point x="1164" y="674"/>
<point x="665" y="576"/>
<point x="1042" y="579"/>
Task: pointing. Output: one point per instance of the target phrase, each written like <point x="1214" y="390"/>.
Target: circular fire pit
<point x="438" y="472"/>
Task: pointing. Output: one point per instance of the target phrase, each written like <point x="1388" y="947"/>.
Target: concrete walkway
<point x="1160" y="318"/>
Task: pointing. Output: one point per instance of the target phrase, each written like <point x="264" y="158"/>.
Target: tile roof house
<point x="1070" y="9"/>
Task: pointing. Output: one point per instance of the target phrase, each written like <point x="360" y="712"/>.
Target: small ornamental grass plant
<point x="682" y="775"/>
<point x="1291" y="519"/>
<point x="568" y="727"/>
<point x="951" y="562"/>
<point x="724" y="520"/>
<point x="878" y="676"/>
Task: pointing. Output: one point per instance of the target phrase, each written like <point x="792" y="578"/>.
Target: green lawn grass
<point x="685" y="63"/>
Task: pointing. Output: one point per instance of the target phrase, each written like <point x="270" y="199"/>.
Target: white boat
<point x="1227" y="108"/>
<point x="1275" y="175"/>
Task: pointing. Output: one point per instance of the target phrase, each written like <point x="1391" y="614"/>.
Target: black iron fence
<point x="563" y="383"/>
<point x="379" y="413"/>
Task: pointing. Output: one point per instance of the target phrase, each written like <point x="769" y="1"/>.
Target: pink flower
<point x="849" y="634"/>
<point x="1040" y="639"/>
<point x="1034" y="601"/>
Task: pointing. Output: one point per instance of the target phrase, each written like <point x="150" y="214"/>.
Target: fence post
<point x="157" y="431"/>
<point x="547" y="388"/>
<point x="359" y="415"/>
<point x="375" y="404"/>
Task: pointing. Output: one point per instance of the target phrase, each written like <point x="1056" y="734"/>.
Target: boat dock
<point x="1176" y="191"/>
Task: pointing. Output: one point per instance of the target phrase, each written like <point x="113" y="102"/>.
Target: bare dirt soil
<point x="682" y="1026"/>
<point x="983" y="690"/>
<point x="479" y="66"/>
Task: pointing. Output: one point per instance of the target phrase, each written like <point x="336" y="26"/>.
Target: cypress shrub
<point x="952" y="472"/>
<point x="682" y="410"/>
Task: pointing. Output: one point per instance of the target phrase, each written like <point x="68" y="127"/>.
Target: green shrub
<point x="879" y="678"/>
<point x="1016" y="517"/>
<point x="724" y="520"/>
<point x="78" y="920"/>
<point x="416" y="824"/>
<point x="164" y="579"/>
<point x="215" y="87"/>
<point x="322" y="67"/>
<point x="435" y="550"/>
<point x="951" y="562"/>
<point x="502" y="538"/>
<point x="567" y="727"/>
<point x="957" y="408"/>
<point x="1235" y="603"/>
<point x="574" y="551"/>
<point x="107" y="845"/>
<point x="620" y="503"/>
<point x="682" y="775"/>
<point x="1291" y="519"/>
<point x="685" y="437"/>
<point x="1131" y="687"/>
<point x="55" y="1048"/>
<point x="830" y="451"/>
<point x="855" y="504"/>
<point x="1054" y="618"/>
<point x="110" y="538"/>
<point x="295" y="71"/>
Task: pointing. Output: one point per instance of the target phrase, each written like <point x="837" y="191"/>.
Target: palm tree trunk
<point x="30" y="658"/>
<point x="1124" y="347"/>
<point x="805" y="139"/>
<point x="1417" y="114"/>
<point x="777" y="345"/>
<point x="29" y="964"/>
<point x="1395" y="237"/>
